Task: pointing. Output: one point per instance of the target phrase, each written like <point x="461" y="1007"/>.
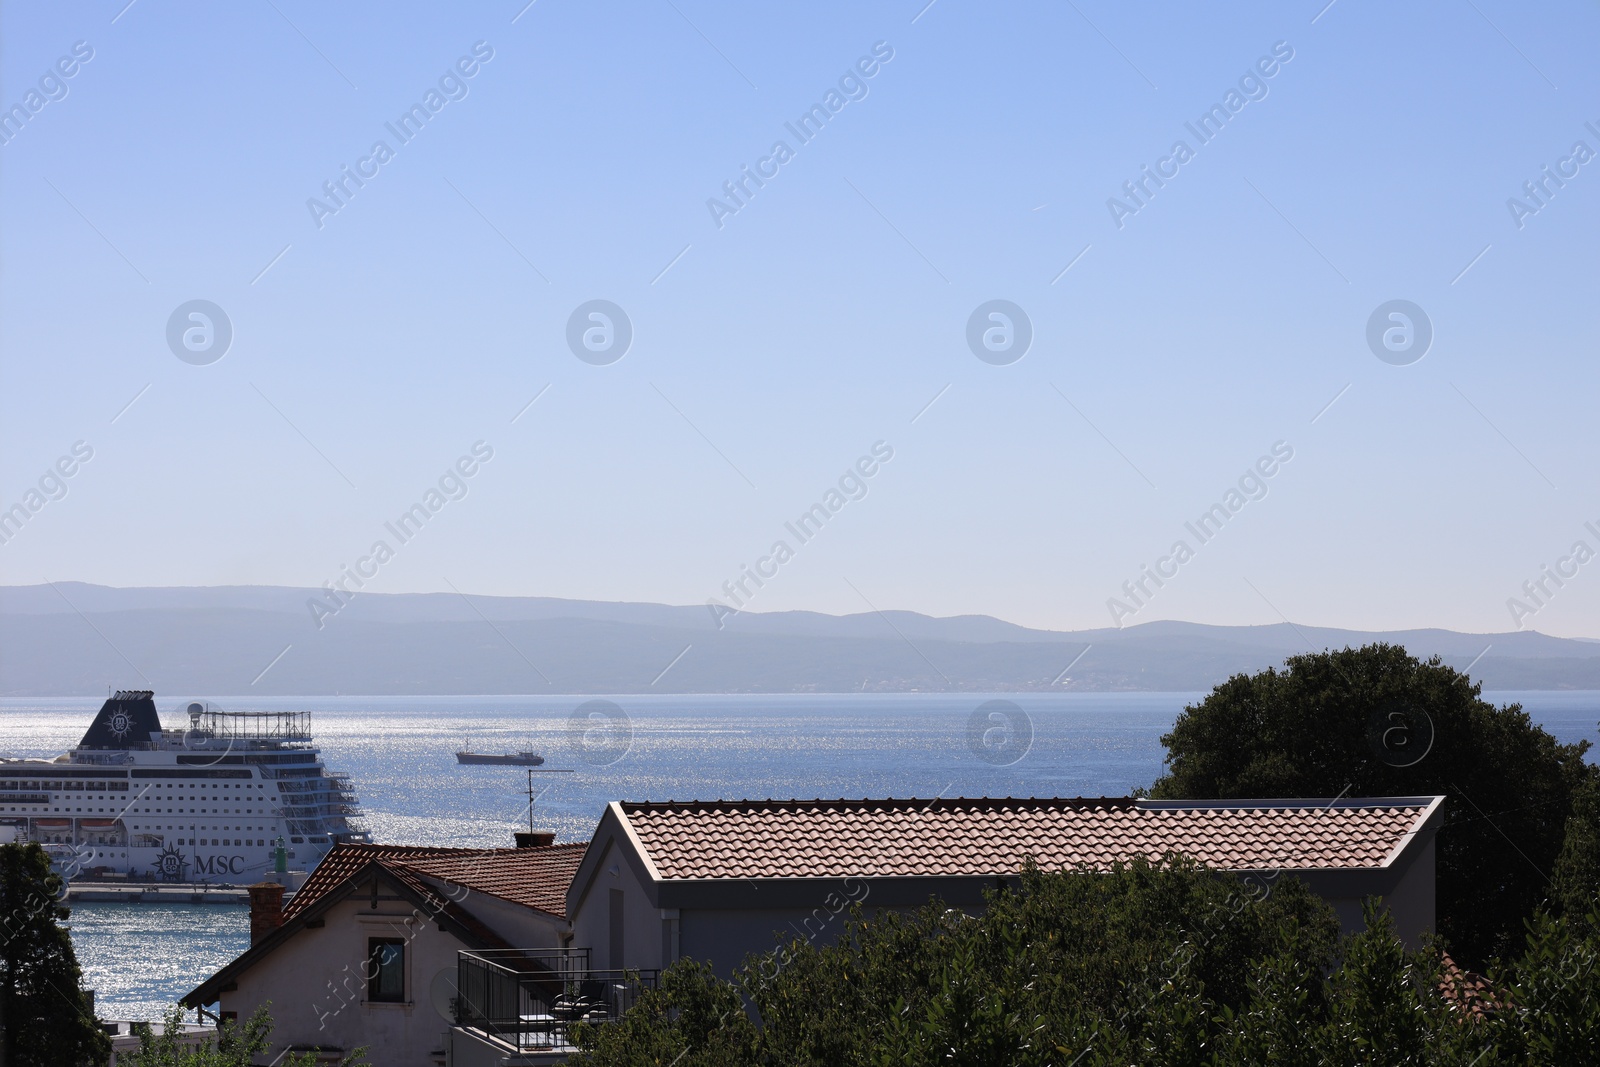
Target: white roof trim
<point x="633" y="840"/>
<point x="1424" y="820"/>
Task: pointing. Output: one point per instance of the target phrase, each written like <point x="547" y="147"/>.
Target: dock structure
<point x="155" y="893"/>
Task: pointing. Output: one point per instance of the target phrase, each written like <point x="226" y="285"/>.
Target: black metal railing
<point x="529" y="998"/>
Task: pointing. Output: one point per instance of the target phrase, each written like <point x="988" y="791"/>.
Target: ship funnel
<point x="128" y="720"/>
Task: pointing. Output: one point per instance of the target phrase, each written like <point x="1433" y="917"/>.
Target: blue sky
<point x="1169" y="353"/>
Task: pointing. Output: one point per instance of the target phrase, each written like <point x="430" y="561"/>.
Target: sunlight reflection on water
<point x="401" y="754"/>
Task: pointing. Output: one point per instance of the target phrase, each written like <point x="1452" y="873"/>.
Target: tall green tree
<point x="1576" y="881"/>
<point x="1376" y="721"/>
<point x="46" y="1018"/>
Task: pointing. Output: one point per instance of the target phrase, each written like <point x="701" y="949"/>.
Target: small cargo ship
<point x="508" y="759"/>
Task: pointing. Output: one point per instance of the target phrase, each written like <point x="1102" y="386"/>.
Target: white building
<point x="366" y="953"/>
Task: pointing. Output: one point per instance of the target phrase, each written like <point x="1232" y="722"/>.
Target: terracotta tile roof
<point x="345" y="860"/>
<point x="1466" y="991"/>
<point x="536" y="877"/>
<point x="982" y="837"/>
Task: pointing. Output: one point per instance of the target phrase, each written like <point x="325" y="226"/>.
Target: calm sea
<point x="401" y="755"/>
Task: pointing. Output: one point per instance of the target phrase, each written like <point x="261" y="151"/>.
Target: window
<point x="386" y="969"/>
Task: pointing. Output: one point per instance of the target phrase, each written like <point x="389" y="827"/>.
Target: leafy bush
<point x="234" y="1045"/>
<point x="1163" y="965"/>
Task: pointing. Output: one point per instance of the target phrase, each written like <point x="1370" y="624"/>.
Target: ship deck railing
<point x="201" y="740"/>
<point x="529" y="998"/>
<point x="324" y="794"/>
<point x="302" y="784"/>
<point x="253" y="725"/>
<point x="102" y="759"/>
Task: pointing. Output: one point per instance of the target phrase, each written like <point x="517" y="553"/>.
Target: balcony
<point x="524" y="1001"/>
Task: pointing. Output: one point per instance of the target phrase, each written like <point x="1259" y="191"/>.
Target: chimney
<point x="266" y="909"/>
<point x="535" y="838"/>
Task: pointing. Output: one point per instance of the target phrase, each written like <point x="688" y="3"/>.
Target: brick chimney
<point x="266" y="909"/>
<point x="535" y="838"/>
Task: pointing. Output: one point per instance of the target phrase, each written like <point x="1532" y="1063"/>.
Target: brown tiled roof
<point x="345" y="860"/>
<point x="982" y="837"/>
<point x="536" y="877"/>
<point x="1466" y="991"/>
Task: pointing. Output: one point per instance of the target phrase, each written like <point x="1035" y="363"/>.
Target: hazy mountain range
<point x="72" y="639"/>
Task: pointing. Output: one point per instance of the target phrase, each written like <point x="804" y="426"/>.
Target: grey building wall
<point x="723" y="924"/>
<point x="617" y="869"/>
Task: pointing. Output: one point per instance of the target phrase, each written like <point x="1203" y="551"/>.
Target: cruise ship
<point x="210" y="802"/>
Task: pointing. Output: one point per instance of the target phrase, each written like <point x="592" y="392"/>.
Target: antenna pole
<point x="530" y="800"/>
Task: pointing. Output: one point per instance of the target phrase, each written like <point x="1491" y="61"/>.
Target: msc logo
<point x="219" y="865"/>
<point x="171" y="863"/>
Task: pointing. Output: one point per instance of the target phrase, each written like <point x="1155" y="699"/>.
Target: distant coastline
<point x="72" y="638"/>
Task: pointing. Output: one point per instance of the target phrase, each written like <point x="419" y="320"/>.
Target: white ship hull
<point x="208" y="804"/>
